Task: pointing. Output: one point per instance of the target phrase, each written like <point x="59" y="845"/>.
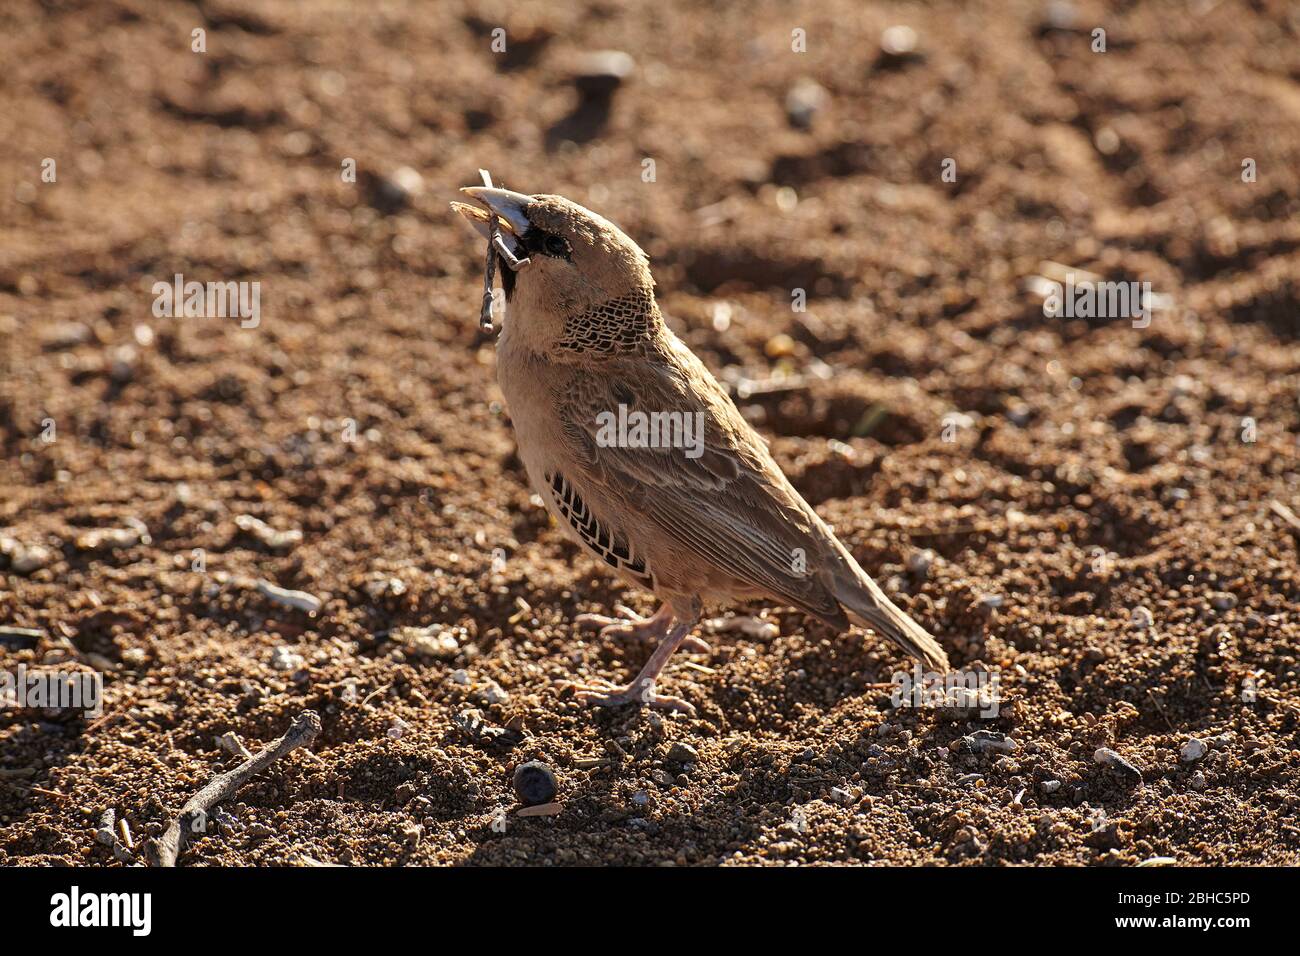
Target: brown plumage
<point x="707" y="518"/>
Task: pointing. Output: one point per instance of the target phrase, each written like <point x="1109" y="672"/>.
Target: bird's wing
<point x="730" y="506"/>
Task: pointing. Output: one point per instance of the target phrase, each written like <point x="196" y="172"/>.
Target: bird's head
<point x="577" y="261"/>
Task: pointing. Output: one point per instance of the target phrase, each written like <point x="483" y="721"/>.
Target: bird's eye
<point x="555" y="246"/>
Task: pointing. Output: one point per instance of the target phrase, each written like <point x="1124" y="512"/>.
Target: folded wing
<point x="721" y="498"/>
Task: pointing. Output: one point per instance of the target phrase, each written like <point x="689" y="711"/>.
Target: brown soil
<point x="1083" y="437"/>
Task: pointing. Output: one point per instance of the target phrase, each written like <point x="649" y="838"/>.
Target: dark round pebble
<point x="534" y="783"/>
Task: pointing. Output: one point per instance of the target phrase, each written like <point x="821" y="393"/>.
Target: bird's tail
<point x="867" y="605"/>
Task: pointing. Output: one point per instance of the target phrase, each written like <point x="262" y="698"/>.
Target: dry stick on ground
<point x="1162" y="712"/>
<point x="1285" y="513"/>
<point x="224" y="786"/>
<point x="21" y="635"/>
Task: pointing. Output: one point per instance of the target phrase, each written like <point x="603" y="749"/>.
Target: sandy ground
<point x="1096" y="497"/>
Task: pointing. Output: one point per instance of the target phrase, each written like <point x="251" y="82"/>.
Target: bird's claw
<point x="627" y="618"/>
<point x="606" y="694"/>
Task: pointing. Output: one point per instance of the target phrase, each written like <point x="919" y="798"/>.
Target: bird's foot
<point x="630" y="625"/>
<point x="626" y="624"/>
<point x="604" y="694"/>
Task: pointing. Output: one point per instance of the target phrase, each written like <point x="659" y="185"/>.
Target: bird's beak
<point x="509" y="206"/>
<point x="510" y="209"/>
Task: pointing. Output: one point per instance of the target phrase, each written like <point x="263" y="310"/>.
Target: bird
<point x="695" y="511"/>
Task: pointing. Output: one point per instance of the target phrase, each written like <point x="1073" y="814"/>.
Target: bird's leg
<point x="642" y="688"/>
<point x="629" y="624"/>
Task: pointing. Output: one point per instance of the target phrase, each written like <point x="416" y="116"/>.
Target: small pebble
<point x="433" y="642"/>
<point x="492" y="693"/>
<point x="1110" y="758"/>
<point x="988" y="740"/>
<point x="1020" y="415"/>
<point x="1193" y="750"/>
<point x="920" y="562"/>
<point x="24" y="559"/>
<point x="231" y="744"/>
<point x="898" y="46"/>
<point x="682" y="753"/>
<point x="779" y="346"/>
<point x="285" y="658"/>
<point x="597" y="75"/>
<point x="25" y="635"/>
<point x="66" y="335"/>
<point x="1223" y="601"/>
<point x="274" y="539"/>
<point x="1060" y="15"/>
<point x="1142" y="619"/>
<point x="393" y="193"/>
<point x="27" y="560"/>
<point x="111" y="538"/>
<point x="300" y="600"/>
<point x="105" y="834"/>
<point x="384" y="587"/>
<point x="535" y="783"/>
<point x="1050" y="786"/>
<point x="803" y="102"/>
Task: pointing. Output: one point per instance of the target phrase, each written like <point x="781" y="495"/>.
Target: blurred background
<point x="1088" y="506"/>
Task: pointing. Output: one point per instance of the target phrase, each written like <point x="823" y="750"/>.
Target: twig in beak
<point x="490" y="272"/>
<point x="495" y="244"/>
<point x="514" y="264"/>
